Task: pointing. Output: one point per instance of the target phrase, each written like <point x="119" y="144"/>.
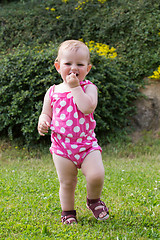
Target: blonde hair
<point x="72" y="45"/>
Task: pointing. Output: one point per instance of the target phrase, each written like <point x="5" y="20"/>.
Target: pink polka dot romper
<point x="72" y="133"/>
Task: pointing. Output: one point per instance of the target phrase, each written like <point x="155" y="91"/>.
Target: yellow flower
<point x="81" y="39"/>
<point x="102" y="49"/>
<point x="53" y="9"/>
<point x="156" y="74"/>
<point x="79" y="7"/>
<point x="65" y="1"/>
<point x="102" y="1"/>
<point x="47" y="8"/>
<point x="58" y="17"/>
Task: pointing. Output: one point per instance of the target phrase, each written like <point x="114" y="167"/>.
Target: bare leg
<point x="67" y="174"/>
<point x="93" y="170"/>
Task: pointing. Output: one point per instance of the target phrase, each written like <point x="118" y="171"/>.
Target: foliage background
<point x="29" y="35"/>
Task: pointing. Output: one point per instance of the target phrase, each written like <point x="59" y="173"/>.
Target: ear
<point x="89" y="68"/>
<point x="57" y="66"/>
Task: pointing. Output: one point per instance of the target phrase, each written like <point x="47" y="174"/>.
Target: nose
<point x="74" y="67"/>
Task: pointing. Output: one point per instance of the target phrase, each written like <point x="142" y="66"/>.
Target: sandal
<point x="69" y="217"/>
<point x="97" y="207"/>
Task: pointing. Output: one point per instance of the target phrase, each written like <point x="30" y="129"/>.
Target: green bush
<point x="131" y="27"/>
<point x="26" y="74"/>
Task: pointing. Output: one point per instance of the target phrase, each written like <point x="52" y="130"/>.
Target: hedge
<point x="26" y="74"/>
<point x="26" y="63"/>
<point x="132" y="27"/>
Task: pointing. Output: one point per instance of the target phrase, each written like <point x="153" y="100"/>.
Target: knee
<point x="68" y="183"/>
<point x="96" y="179"/>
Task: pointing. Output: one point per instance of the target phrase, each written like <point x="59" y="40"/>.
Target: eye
<point x="67" y="64"/>
<point x="80" y="65"/>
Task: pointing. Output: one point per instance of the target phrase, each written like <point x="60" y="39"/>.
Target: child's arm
<point x="86" y="101"/>
<point x="46" y="116"/>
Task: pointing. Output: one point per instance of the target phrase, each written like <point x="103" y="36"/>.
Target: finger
<point x="44" y="126"/>
<point x="47" y="123"/>
<point x="40" y="133"/>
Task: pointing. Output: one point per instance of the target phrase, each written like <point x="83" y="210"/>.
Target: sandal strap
<point x="96" y="212"/>
<point x="68" y="217"/>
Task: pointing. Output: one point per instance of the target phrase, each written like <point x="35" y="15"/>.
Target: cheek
<point x="64" y="70"/>
<point x="84" y="71"/>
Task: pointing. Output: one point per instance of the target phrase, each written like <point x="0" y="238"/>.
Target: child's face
<point x="73" y="62"/>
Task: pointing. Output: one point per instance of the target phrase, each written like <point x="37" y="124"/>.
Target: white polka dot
<point x="82" y="149"/>
<point x="62" y="116"/>
<point x="55" y="138"/>
<point x="93" y="134"/>
<point x="52" y="128"/>
<point x="52" y="139"/>
<point x="69" y="123"/>
<point x="69" y="152"/>
<point x="70" y="135"/>
<point x="59" y="136"/>
<point x="74" y="146"/>
<point x="82" y="134"/>
<point x="89" y="138"/>
<point x="63" y="144"/>
<point x="59" y="152"/>
<point x="87" y="143"/>
<point x="69" y="109"/>
<point x="84" y="155"/>
<point x="69" y="95"/>
<point x="79" y="140"/>
<point x="67" y="140"/>
<point x="75" y="115"/>
<point x="57" y="123"/>
<point x="75" y="162"/>
<point x="56" y="96"/>
<point x="76" y="129"/>
<point x="90" y="131"/>
<point x="63" y="103"/>
<point x="62" y="130"/>
<point x="57" y="110"/>
<point x="81" y="120"/>
<point x="95" y="144"/>
<point x="77" y="156"/>
<point x="87" y="126"/>
<point x="92" y="120"/>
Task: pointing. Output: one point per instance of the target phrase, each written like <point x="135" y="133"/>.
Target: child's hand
<point x="72" y="80"/>
<point x="43" y="128"/>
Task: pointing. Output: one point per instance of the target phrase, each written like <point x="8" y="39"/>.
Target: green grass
<point x="29" y="199"/>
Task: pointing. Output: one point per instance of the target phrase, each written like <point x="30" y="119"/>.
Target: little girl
<point x="68" y="111"/>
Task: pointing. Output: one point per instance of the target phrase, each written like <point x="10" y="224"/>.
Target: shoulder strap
<point x="51" y="91"/>
<point x="85" y="83"/>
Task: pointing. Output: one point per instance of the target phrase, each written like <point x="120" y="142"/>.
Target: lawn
<point x="29" y="199"/>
